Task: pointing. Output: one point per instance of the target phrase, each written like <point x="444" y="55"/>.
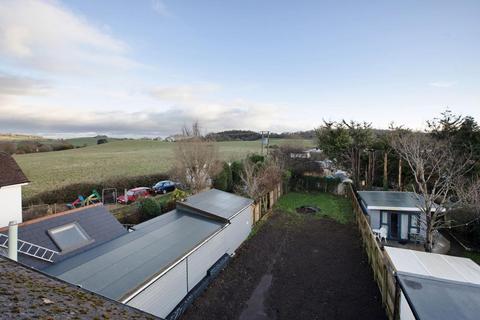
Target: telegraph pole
<point x="265" y="140"/>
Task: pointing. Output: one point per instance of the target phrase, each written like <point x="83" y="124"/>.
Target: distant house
<point x="300" y="155"/>
<point x="12" y="179"/>
<point x="397" y="212"/>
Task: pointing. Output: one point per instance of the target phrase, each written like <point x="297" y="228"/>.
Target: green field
<point x="50" y="170"/>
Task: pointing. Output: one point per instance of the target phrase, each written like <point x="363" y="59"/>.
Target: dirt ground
<point x="294" y="268"/>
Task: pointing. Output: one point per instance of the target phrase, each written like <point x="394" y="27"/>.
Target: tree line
<point x="440" y="164"/>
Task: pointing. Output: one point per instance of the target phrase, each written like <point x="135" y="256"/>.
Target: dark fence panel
<point x="304" y="183"/>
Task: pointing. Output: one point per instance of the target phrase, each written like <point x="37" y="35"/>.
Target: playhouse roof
<point x="391" y="200"/>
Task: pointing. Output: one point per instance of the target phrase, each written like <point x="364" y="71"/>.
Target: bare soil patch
<point x="318" y="267"/>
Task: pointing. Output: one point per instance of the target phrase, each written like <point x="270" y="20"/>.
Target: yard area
<point x="297" y="266"/>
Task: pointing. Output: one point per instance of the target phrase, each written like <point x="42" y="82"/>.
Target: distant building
<point x="12" y="179"/>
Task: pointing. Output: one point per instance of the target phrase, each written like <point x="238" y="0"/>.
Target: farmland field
<point x="50" y="170"/>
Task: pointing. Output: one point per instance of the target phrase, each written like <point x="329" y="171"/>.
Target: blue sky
<point x="148" y="67"/>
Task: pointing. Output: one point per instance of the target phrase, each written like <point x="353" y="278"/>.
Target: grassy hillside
<point x="87" y="141"/>
<point x="50" y="170"/>
<point x="11" y="137"/>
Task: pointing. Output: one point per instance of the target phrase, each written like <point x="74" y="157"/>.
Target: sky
<point x="149" y="67"/>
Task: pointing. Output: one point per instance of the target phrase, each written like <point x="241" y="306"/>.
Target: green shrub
<point x="148" y="208"/>
<point x="178" y="195"/>
<point x="236" y="168"/>
<point x="255" y="158"/>
<point x="223" y="181"/>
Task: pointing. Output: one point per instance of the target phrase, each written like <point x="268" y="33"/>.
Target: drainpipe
<point x="12" y="240"/>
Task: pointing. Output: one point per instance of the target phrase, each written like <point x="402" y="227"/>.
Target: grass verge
<point x="335" y="207"/>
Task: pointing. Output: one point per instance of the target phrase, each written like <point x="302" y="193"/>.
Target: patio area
<point x="441" y="244"/>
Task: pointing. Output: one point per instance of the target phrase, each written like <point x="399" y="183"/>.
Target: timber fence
<point x="383" y="271"/>
<point x="264" y="204"/>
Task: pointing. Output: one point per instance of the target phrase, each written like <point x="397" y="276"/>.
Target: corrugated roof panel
<point x="433" y="264"/>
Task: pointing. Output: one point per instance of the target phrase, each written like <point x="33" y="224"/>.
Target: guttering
<point x="155" y="278"/>
<point x="14" y="185"/>
<point x="409" y="209"/>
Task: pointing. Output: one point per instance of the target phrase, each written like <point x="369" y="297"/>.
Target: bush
<point x="44" y="148"/>
<point x="178" y="195"/>
<point x="26" y="147"/>
<point x="102" y="141"/>
<point x="255" y="158"/>
<point x="70" y="192"/>
<point x="62" y="146"/>
<point x="8" y="147"/>
<point x="148" y="208"/>
<point x="237" y="169"/>
<point x="223" y="181"/>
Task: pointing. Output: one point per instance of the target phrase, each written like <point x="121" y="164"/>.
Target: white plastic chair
<point x="380" y="234"/>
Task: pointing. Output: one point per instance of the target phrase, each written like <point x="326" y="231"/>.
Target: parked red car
<point x="135" y="194"/>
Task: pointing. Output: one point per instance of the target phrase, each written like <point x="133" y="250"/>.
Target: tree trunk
<point x="429" y="236"/>
<point x="400" y="174"/>
<point x="385" y="170"/>
<point x="372" y="179"/>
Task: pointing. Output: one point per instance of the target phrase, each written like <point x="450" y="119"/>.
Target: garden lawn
<point x="335" y="207"/>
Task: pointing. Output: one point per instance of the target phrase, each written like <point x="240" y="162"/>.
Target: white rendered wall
<point x="10" y="204"/>
<point x="164" y="294"/>
<point x="405" y="311"/>
<point x="374" y="219"/>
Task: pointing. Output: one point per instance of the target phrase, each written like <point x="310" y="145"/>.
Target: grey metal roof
<point x="392" y="199"/>
<point x="97" y="221"/>
<point x="120" y="266"/>
<point x="432" y="298"/>
<point x="219" y="203"/>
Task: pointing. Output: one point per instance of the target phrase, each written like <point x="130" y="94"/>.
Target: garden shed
<point x="397" y="212"/>
<point x="436" y="286"/>
<point x="155" y="266"/>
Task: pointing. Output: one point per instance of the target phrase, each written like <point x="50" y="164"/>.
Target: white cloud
<point x="21" y="86"/>
<point x="150" y="123"/>
<point x="442" y="84"/>
<point x="160" y="8"/>
<point x="183" y="93"/>
<point x="47" y="36"/>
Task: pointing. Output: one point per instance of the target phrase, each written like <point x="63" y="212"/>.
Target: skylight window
<point x="69" y="237"/>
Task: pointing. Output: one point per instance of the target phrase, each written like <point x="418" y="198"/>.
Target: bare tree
<point x="468" y="193"/>
<point x="434" y="168"/>
<point x="250" y="179"/>
<point x="259" y="178"/>
<point x="196" y="159"/>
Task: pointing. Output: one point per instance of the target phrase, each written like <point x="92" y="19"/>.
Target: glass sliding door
<point x="404" y="226"/>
